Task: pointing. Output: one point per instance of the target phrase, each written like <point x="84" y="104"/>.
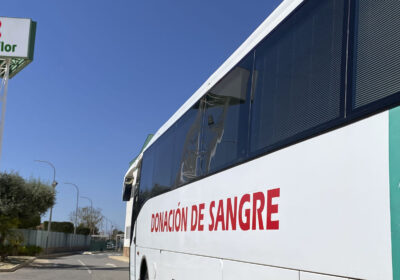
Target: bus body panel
<point x="132" y="257"/>
<point x="238" y="271"/>
<point x="333" y="207"/>
<point x="164" y="265"/>
<point x="314" y="276"/>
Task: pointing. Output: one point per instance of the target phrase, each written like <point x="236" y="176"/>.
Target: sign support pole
<point x="3" y="99"/>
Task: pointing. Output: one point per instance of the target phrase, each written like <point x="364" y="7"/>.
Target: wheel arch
<point x="143" y="268"/>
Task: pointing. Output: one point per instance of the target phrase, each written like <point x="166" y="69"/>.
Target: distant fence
<point x="58" y="241"/>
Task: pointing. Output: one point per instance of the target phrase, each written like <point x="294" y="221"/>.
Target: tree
<point x="65" y="227"/>
<point x="88" y="217"/>
<point x="81" y="229"/>
<point x="20" y="200"/>
<point x="30" y="222"/>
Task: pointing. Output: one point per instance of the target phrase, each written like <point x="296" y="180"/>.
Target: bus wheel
<point x="144" y="272"/>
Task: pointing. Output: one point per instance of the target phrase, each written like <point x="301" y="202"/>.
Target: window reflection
<point x="225" y="125"/>
<point x="187" y="145"/>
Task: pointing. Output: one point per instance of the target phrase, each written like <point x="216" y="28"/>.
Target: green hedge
<point x="65" y="227"/>
<point x="29" y="250"/>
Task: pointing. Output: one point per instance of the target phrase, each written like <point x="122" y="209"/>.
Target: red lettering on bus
<point x="220" y="215"/>
<point x="152" y="222"/>
<point x="257" y="211"/>
<point x="177" y="220"/>
<point x="170" y="215"/>
<point x="156" y="222"/>
<point x="231" y="214"/>
<point x="211" y="226"/>
<point x="193" y="223"/>
<point x="272" y="209"/>
<point x="161" y="223"/>
<point x="184" y="219"/>
<point x="166" y="221"/>
<point x="249" y="214"/>
<point x="244" y="225"/>
<point x="201" y="216"/>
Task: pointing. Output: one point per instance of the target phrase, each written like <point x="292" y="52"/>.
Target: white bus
<point x="285" y="164"/>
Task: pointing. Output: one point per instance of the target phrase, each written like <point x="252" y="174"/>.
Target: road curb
<point x="18" y="266"/>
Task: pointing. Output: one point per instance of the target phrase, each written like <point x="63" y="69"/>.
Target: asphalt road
<point x="75" y="267"/>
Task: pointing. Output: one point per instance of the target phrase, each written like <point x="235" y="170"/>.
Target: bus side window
<point x="225" y="125"/>
<point x="146" y="177"/>
<point x="186" y="156"/>
<point x="299" y="66"/>
<point x="163" y="154"/>
<point x="376" y="54"/>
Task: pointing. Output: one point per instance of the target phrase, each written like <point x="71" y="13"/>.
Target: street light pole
<point x="106" y="225"/>
<point x="108" y="221"/>
<point x="91" y="212"/>
<point x="53" y="184"/>
<point x="77" y="201"/>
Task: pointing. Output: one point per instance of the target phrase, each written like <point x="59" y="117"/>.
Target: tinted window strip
<point x="351" y="115"/>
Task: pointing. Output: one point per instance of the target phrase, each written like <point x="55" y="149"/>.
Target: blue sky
<point x="105" y="74"/>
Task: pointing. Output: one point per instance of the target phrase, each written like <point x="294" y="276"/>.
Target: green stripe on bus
<point x="394" y="171"/>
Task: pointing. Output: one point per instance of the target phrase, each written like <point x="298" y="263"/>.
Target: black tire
<point x="144" y="272"/>
<point x="146" y="276"/>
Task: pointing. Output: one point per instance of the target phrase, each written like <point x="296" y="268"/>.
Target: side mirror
<point x="127" y="192"/>
<point x="126" y="196"/>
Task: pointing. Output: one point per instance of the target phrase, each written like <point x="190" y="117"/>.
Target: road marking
<point x="111" y="264"/>
<point x="83" y="264"/>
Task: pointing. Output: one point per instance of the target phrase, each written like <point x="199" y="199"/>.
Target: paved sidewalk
<point x="14" y="263"/>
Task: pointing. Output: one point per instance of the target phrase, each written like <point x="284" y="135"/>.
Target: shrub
<point x="82" y="230"/>
<point x="29" y="250"/>
<point x="65" y="227"/>
<point x="6" y="250"/>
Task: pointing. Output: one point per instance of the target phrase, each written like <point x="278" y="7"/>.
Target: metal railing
<point x="58" y="241"/>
